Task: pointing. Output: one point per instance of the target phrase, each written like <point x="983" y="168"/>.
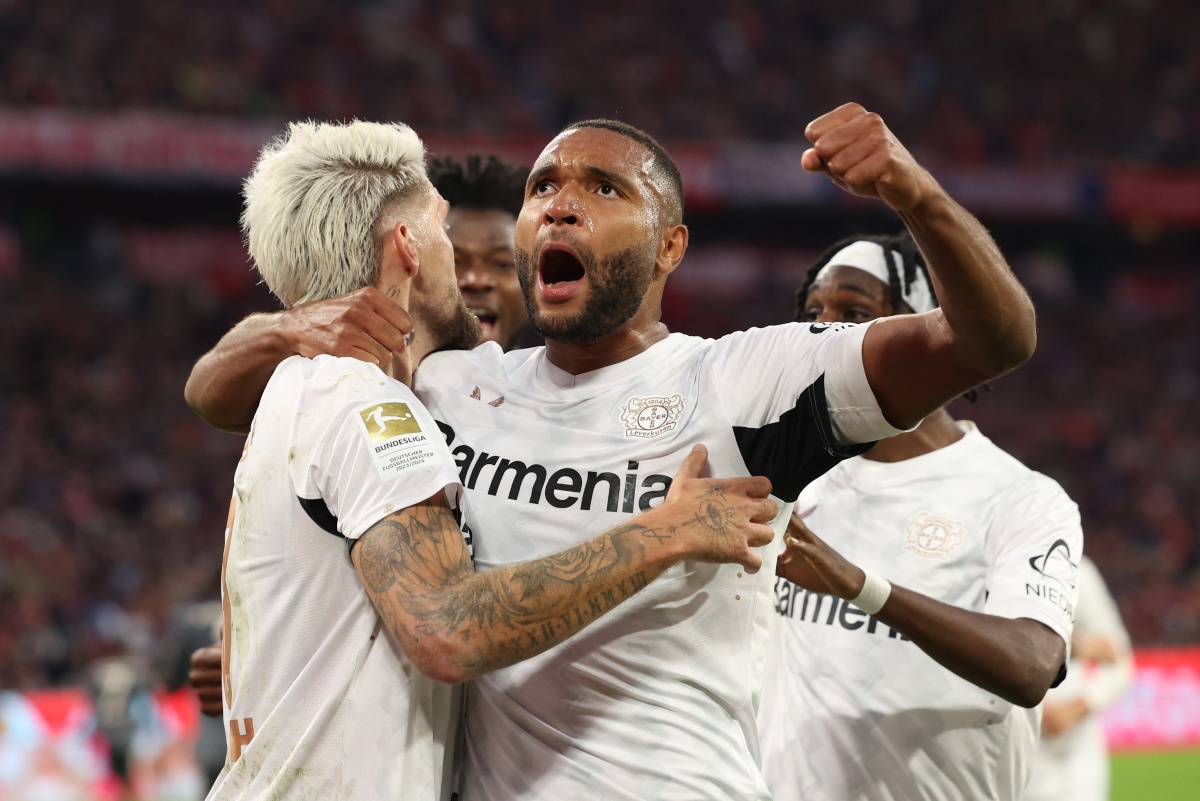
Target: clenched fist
<point x="205" y="678"/>
<point x="857" y="151"/>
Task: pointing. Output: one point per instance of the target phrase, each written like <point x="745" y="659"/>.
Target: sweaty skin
<point x="483" y="262"/>
<point x="592" y="186"/>
<point x="1016" y="659"/>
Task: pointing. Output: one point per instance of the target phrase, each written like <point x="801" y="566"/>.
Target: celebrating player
<point x="484" y="204"/>
<point x="983" y="552"/>
<point x="337" y="668"/>
<point x="554" y="444"/>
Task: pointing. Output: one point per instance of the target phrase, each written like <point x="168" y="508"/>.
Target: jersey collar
<point x="555" y="378"/>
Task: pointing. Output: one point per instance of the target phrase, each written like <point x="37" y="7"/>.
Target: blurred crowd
<point x="1107" y="406"/>
<point x="1030" y="81"/>
<point x="113" y="495"/>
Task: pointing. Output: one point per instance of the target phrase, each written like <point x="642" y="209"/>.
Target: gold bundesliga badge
<point x="387" y="420"/>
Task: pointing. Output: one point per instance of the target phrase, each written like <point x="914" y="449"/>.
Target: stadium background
<point x="1071" y="127"/>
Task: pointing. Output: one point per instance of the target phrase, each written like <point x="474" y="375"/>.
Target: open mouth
<point x="487" y="319"/>
<point x="559" y="272"/>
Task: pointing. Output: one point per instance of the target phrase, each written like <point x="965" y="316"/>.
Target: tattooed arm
<point x="456" y="624"/>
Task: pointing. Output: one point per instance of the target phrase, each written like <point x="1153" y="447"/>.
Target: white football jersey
<point x="319" y="701"/>
<point x="657" y="699"/>
<point x="1074" y="765"/>
<point x="853" y="710"/>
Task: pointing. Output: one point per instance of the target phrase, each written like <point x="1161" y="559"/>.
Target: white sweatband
<point x="874" y="594"/>
<point x="869" y="257"/>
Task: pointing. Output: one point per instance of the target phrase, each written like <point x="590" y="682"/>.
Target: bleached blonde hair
<point x="314" y="199"/>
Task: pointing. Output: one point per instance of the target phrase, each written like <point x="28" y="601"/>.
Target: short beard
<point x="450" y="326"/>
<point x="618" y="287"/>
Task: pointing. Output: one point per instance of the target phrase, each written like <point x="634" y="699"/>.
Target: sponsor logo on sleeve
<point x="1057" y="576"/>
<point x="395" y="438"/>
<point x="933" y="536"/>
<point x="649" y="417"/>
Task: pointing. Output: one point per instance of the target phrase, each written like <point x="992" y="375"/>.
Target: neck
<point x="936" y="432"/>
<point x="624" y="343"/>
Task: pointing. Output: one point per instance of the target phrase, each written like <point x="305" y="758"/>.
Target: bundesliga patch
<point x="394" y="438"/>
<point x="649" y="417"/>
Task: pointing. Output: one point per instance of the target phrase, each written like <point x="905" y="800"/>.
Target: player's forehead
<point x="483" y="228"/>
<point x="843" y="278"/>
<point x="583" y="150"/>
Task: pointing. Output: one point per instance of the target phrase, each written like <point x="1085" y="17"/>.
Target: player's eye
<point x="811" y="314"/>
<point x="541" y="188"/>
<point x="608" y="190"/>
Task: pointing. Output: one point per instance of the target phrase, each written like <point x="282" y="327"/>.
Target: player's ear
<point x="671" y="247"/>
<point x="406" y="248"/>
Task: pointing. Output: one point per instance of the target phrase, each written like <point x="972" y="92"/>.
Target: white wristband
<point x="874" y="594"/>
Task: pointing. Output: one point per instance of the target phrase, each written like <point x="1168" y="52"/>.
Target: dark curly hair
<point x="494" y="185"/>
<point x="902" y="243"/>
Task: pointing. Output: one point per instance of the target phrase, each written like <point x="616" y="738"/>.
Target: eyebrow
<point x="620" y="182"/>
<point x="857" y="289"/>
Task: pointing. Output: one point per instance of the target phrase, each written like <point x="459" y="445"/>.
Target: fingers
<point x="390" y="311"/>
<point x="750" y="486"/>
<point x="833" y="119"/>
<point x="751" y="561"/>
<point x="693" y="465"/>
<point x="206" y="658"/>
<point x="765" y="511"/>
<point x="759" y="534"/>
<point x="836" y="140"/>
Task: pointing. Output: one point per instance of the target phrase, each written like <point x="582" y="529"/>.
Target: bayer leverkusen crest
<point x="649" y="417"/>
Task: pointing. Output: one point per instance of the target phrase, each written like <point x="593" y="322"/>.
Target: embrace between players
<point x="587" y="534"/>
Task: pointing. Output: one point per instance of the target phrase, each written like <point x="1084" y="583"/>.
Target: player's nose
<point x="472" y="276"/>
<point x="565" y="208"/>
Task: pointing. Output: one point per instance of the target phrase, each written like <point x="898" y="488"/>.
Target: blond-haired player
<point x="350" y="601"/>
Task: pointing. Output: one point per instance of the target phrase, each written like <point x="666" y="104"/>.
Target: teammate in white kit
<point x="1072" y="760"/>
<point x="983" y="552"/>
<point x="659" y="699"/>
<point x="338" y="665"/>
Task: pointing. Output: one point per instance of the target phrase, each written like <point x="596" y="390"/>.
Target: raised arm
<point x="456" y="624"/>
<point x="985" y="326"/>
<point x="1017" y="659"/>
<point x="228" y="381"/>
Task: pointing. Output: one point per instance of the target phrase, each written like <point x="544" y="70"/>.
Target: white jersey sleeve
<point x="1033" y="550"/>
<point x="375" y="451"/>
<point x="764" y="371"/>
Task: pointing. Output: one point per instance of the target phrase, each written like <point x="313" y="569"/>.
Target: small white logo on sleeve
<point x="933" y="536"/>
<point x="395" y="438"/>
<point x="649" y="417"/>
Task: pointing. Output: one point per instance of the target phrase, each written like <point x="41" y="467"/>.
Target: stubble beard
<point x="618" y="286"/>
<point x="450" y="324"/>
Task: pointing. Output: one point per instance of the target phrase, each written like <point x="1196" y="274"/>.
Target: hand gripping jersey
<point x="319" y="703"/>
<point x="854" y="710"/>
<point x="657" y="699"/>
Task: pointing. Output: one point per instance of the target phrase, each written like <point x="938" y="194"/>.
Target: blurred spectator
<point x="1007" y="80"/>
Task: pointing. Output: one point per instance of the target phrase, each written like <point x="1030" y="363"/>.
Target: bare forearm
<point x="228" y="381"/>
<point x="457" y="624"/>
<point x="989" y="315"/>
<point x="1015" y="659"/>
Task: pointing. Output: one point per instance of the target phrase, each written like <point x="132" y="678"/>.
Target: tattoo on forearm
<point x="418" y="573"/>
<point x="422" y="580"/>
